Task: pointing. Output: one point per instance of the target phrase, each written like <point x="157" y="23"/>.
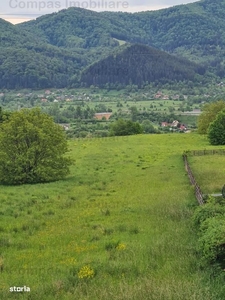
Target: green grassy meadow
<point x="209" y="171"/>
<point x="119" y="227"/>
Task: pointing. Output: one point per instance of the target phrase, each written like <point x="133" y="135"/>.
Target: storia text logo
<point x="90" y="4"/>
<point x="19" y="289"/>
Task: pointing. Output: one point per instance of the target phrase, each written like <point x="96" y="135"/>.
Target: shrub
<point x="210" y="218"/>
<point x="212" y="241"/>
<point x="211" y="209"/>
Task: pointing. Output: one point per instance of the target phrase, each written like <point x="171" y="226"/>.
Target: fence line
<point x="198" y="192"/>
<point x="205" y="152"/>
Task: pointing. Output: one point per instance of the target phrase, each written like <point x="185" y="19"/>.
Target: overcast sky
<point x="16" y="11"/>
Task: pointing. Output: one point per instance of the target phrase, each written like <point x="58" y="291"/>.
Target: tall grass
<point x="121" y="219"/>
<point x="209" y="171"/>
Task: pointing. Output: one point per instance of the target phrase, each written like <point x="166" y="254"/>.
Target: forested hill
<point x="28" y="62"/>
<point x="196" y="30"/>
<point x="11" y="35"/>
<point x="72" y="28"/>
<point x="139" y="65"/>
<point x="55" y="49"/>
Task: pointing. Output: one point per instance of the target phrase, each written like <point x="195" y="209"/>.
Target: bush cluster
<point x="209" y="218"/>
<point x="125" y="127"/>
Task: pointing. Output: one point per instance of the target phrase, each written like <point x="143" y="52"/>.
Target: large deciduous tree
<point x="32" y="149"/>
<point x="209" y="112"/>
<point x="216" y="130"/>
<point x="125" y="127"/>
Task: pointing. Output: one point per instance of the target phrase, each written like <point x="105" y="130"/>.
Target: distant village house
<point x="100" y="116"/>
<point x="175" y="124"/>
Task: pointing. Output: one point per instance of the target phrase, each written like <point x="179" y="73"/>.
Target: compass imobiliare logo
<point x="39" y="6"/>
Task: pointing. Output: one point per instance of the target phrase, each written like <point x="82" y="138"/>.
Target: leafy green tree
<point x="32" y="149"/>
<point x="216" y="131"/>
<point x="125" y="127"/>
<point x="4" y="115"/>
<point x="134" y="113"/>
<point x="210" y="110"/>
<point x="148" y="127"/>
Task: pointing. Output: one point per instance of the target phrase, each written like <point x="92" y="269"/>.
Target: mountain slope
<point x="54" y="49"/>
<point x="23" y="68"/>
<point x="72" y="28"/>
<point x="195" y="30"/>
<point x="81" y="31"/>
<point x="26" y="61"/>
<point x="138" y="65"/>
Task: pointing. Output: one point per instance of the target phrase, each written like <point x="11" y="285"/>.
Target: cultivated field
<point x="119" y="227"/>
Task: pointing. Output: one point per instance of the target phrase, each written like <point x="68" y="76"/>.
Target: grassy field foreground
<point x="118" y="228"/>
<point x="209" y="171"/>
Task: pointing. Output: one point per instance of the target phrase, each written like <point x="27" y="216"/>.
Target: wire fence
<point x="198" y="192"/>
<point x="205" y="152"/>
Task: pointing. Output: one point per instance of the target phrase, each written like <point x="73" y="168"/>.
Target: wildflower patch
<point x="86" y="272"/>
<point x="121" y="247"/>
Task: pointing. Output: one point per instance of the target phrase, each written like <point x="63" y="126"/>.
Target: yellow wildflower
<point x="121" y="247"/>
<point x="86" y="272"/>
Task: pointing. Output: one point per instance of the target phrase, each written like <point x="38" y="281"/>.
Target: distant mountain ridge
<point x="55" y="50"/>
<point x="188" y="26"/>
